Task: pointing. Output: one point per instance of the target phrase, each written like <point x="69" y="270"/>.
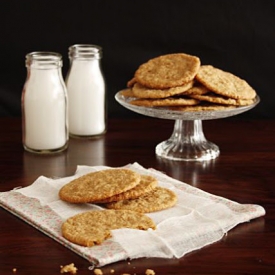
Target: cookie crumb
<point x="14" y="270"/>
<point x="150" y="272"/>
<point x="112" y="271"/>
<point x="70" y="268"/>
<point x="98" y="271"/>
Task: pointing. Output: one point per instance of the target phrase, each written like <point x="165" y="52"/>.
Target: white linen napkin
<point x="198" y="219"/>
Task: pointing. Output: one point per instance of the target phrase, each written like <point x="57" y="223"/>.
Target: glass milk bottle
<point x="44" y="104"/>
<point x="86" y="91"/>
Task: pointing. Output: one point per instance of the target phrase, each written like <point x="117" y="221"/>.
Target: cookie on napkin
<point x="146" y="184"/>
<point x="93" y="227"/>
<point x="158" y="199"/>
<point x="99" y="185"/>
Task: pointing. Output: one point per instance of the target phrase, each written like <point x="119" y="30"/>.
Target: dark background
<point x="235" y="35"/>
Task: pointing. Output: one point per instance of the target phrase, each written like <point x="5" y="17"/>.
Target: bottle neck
<point x="43" y="61"/>
<point x="85" y="52"/>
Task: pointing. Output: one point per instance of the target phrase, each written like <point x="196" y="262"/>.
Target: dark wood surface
<point x="244" y="172"/>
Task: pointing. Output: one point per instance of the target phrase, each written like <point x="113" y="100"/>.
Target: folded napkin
<point x="198" y="219"/>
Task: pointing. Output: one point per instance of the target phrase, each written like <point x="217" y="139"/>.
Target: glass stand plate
<point x="187" y="142"/>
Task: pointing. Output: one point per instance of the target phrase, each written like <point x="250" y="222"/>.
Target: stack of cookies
<point x="179" y="82"/>
<point x="125" y="194"/>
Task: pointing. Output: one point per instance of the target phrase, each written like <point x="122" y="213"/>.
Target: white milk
<point x="86" y="92"/>
<point x="44" y="109"/>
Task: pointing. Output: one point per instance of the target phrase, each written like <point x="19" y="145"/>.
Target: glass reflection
<point x="188" y="172"/>
<point x="89" y="152"/>
<point x="50" y="165"/>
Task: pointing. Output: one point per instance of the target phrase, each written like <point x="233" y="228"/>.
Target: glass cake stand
<point x="187" y="142"/>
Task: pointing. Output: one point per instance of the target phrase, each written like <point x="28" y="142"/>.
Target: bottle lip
<point x="44" y="59"/>
<point x="85" y="51"/>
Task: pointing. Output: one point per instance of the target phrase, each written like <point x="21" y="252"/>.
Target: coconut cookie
<point x="202" y="107"/>
<point x="223" y="100"/>
<point x="168" y="71"/>
<point x="197" y="90"/>
<point x="93" y="227"/>
<point x="171" y="80"/>
<point x="160" y="198"/>
<point x="164" y="102"/>
<point x="141" y="91"/>
<point x="224" y="83"/>
<point x="147" y="184"/>
<point x="127" y="93"/>
<point x="99" y="185"/>
<point x="131" y="82"/>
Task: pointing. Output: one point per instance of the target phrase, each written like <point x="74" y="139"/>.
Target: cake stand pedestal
<point x="187" y="143"/>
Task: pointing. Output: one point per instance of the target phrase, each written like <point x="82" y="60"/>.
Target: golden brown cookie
<point x="127" y="93"/>
<point x="99" y="185"/>
<point x="131" y="82"/>
<point x="168" y="71"/>
<point x="93" y="227"/>
<point x="224" y="83"/>
<point x="147" y="184"/>
<point x="158" y="199"/>
<point x="141" y="91"/>
<point x="164" y="102"/>
<point x="202" y="107"/>
<point x="223" y="100"/>
<point x="197" y="90"/>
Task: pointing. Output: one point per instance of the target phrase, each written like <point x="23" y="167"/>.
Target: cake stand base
<point x="187" y="143"/>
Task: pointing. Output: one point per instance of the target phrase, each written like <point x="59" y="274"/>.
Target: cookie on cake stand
<point x="187" y="142"/>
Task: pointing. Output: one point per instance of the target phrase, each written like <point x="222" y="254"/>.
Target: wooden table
<point x="244" y="172"/>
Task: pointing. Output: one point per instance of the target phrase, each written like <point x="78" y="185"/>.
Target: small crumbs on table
<point x="70" y="268"/>
<point x="150" y="272"/>
<point x="98" y="271"/>
<point x="14" y="270"/>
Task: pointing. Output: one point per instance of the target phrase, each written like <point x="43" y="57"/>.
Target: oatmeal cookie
<point x="168" y="71"/>
<point x="93" y="227"/>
